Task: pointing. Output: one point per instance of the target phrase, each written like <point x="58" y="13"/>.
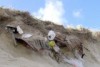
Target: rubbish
<point x="51" y="35"/>
<point x="56" y="48"/>
<point x="15" y="29"/>
<point x="26" y="35"/>
<point x="72" y="43"/>
<point x="51" y="44"/>
<point x="74" y="62"/>
<point x="20" y="31"/>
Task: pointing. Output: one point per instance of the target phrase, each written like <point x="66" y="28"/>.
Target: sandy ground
<point x="20" y="56"/>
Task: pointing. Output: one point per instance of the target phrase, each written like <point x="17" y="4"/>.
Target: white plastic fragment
<point x="26" y="35"/>
<point x="74" y="62"/>
<point x="56" y="48"/>
<point x="20" y="31"/>
<point x="51" y="35"/>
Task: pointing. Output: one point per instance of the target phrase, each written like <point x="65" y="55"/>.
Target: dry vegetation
<point x="9" y="16"/>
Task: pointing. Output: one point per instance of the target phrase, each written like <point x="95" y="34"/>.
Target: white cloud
<point x="53" y="11"/>
<point x="77" y="14"/>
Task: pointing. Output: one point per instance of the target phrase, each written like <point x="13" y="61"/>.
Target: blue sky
<point x="66" y="12"/>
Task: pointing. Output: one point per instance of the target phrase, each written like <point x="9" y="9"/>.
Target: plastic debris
<point x="51" y="35"/>
<point x="74" y="62"/>
<point x="56" y="48"/>
<point x="20" y="31"/>
<point x="26" y="35"/>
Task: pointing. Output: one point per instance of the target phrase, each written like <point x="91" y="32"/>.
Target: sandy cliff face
<point x="20" y="56"/>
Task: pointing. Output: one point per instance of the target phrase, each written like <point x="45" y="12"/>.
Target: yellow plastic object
<point x="51" y="44"/>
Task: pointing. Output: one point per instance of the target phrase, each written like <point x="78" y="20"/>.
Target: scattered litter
<point x="26" y="35"/>
<point x="51" y="35"/>
<point x="20" y="31"/>
<point x="74" y="62"/>
<point x="56" y="48"/>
